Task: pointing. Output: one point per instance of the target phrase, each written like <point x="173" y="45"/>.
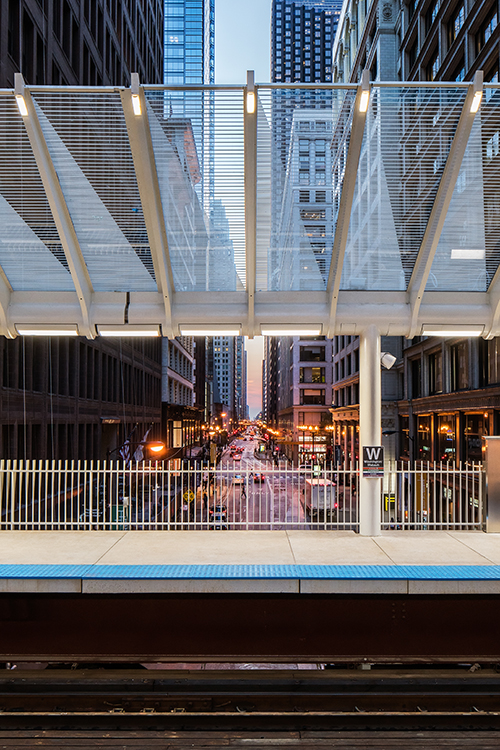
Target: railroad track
<point x="239" y="701"/>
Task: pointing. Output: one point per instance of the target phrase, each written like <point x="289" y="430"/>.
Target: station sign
<point x="373" y="461"/>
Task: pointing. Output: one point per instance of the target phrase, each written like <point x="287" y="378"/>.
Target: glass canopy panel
<point x="408" y="133"/>
<point x="459" y="263"/>
<point x="295" y="184"/>
<point x="87" y="140"/>
<point x="31" y="254"/>
<point x="198" y="145"/>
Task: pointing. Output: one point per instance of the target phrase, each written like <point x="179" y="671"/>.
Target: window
<point x="486" y="30"/>
<point x="435" y="373"/>
<point x="312" y="353"/>
<point x="416" y="378"/>
<point x="304" y="196"/>
<point x="446" y="443"/>
<point x="433" y="67"/>
<point x="312" y="396"/>
<point x="493" y="146"/>
<point x="311" y="213"/>
<point x="312" y="375"/>
<point x="412" y="54"/>
<point x="431" y="15"/>
<point x="459" y="366"/>
<point x="455" y="24"/>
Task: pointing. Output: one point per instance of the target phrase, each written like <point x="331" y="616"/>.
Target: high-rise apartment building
<point x="74" y="398"/>
<point x="302" y="33"/>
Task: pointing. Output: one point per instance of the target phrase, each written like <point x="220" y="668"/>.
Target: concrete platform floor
<point x="474" y="552"/>
<point x="248" y="548"/>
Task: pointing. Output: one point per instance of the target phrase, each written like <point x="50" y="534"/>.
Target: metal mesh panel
<point x="30" y="250"/>
<point x="87" y="139"/>
<point x="408" y="134"/>
<point x="296" y="127"/>
<point x="198" y="146"/>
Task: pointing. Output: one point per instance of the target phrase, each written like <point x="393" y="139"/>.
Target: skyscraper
<point x="302" y="34"/>
<point x="189" y="41"/>
<point x="67" y="397"/>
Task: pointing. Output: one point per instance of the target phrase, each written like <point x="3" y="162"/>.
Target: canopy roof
<point x="250" y="208"/>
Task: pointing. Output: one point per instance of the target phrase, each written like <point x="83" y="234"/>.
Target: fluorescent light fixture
<point x="213" y="330"/>
<point x="250" y="102"/>
<point x="290" y="330"/>
<point x="136" y="104"/>
<point x="461" y="253"/>
<point x="364" y="99"/>
<point x="476" y="102"/>
<point x="128" y="331"/>
<point x="33" y="329"/>
<point x="21" y="103"/>
<point x="447" y="331"/>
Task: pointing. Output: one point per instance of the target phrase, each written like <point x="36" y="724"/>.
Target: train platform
<point x="277" y="562"/>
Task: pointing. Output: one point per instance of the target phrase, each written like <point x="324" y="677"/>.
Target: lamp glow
<point x="128" y="331"/>
<point x="39" y="330"/>
<point x="250" y="102"/>
<point x="363" y="101"/>
<point x="451" y="331"/>
<point x="156" y="447"/>
<point x="136" y="104"/>
<point x="21" y="104"/>
<point x="476" y="102"/>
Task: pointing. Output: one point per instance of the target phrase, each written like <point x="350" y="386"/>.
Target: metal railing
<point x="107" y="495"/>
<point x="437" y="496"/>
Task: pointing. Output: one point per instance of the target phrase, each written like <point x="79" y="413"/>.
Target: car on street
<point x="237" y="457"/>
<point x="260" y="478"/>
<point x="217" y="518"/>
<point x="238" y="479"/>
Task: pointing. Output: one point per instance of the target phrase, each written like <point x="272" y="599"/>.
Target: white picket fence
<point x="107" y="495"/>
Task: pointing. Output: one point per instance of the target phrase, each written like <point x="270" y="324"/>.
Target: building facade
<point x="442" y="396"/>
<point x="65" y="398"/>
<point x="81" y="42"/>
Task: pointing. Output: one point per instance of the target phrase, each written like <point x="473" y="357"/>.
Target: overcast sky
<point x="242" y="42"/>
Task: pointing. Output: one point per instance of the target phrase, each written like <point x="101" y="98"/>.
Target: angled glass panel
<point x="30" y="249"/>
<point x="490" y="141"/>
<point x="407" y="139"/>
<point x="199" y="154"/>
<point x="460" y="260"/>
<point x="296" y="198"/>
<point x="87" y="140"/>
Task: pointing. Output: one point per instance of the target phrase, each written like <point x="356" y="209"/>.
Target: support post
<point x="250" y="136"/>
<point x="370" y="427"/>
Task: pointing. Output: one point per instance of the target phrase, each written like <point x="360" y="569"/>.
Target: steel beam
<point x="430" y="241"/>
<point x="347" y="198"/>
<point x="5" y="297"/>
<point x="250" y="158"/>
<point x="143" y="157"/>
<point x="59" y="208"/>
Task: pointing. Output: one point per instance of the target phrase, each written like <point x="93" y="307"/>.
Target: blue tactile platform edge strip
<point x="262" y="572"/>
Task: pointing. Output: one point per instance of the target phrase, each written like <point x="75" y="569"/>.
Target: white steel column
<point x="250" y="136"/>
<point x="370" y="427"/>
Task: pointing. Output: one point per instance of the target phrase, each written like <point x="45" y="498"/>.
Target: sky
<point x="242" y="42"/>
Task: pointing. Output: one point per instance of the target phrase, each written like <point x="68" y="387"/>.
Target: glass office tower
<point x="189" y="41"/>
